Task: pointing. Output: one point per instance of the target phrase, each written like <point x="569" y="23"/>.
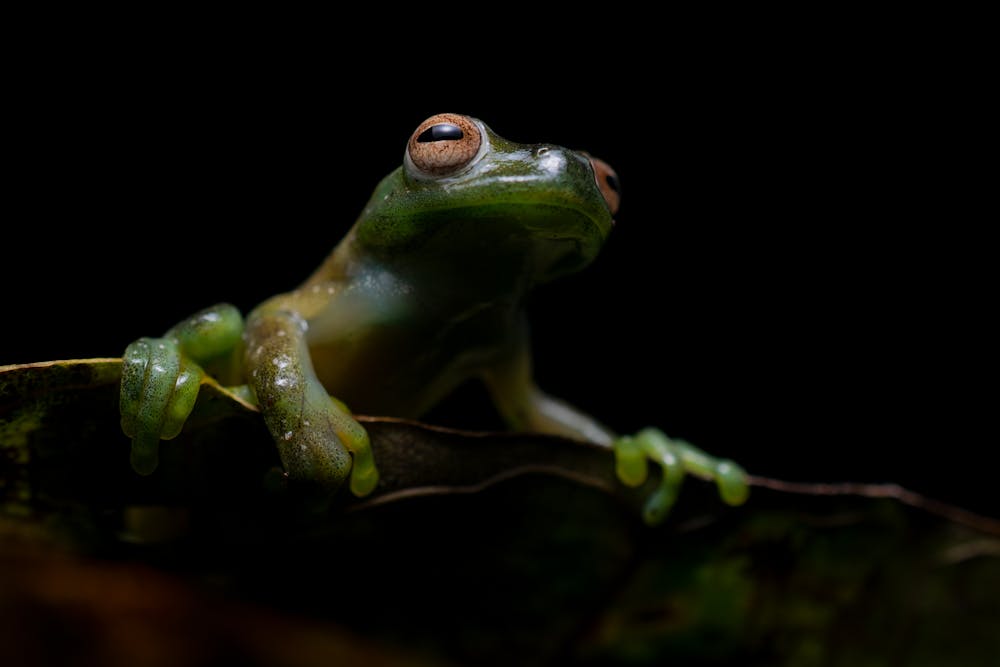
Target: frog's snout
<point x="607" y="181"/>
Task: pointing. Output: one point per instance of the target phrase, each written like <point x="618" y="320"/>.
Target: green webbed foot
<point x="161" y="378"/>
<point x="676" y="458"/>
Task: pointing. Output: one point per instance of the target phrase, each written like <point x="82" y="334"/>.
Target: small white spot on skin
<point x="316" y="289"/>
<point x="331" y="289"/>
<point x="257" y="352"/>
<point x="302" y="447"/>
<point x="288" y="435"/>
<point x="305" y="422"/>
<point x="161" y="346"/>
<point x="285" y="376"/>
<point x="281" y="333"/>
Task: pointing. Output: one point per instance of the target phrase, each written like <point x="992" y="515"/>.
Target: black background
<point x="797" y="278"/>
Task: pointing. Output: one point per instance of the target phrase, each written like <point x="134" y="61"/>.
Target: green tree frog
<point x="425" y="291"/>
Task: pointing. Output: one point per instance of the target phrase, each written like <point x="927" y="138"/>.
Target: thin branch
<point x="896" y="492"/>
<point x="478" y="487"/>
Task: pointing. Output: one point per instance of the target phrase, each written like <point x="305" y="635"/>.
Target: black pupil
<point x="440" y="132"/>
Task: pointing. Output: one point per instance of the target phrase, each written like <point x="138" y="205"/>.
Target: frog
<point x="425" y="292"/>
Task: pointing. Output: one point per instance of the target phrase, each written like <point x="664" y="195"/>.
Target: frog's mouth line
<point x="523" y="206"/>
<point x="537" y="218"/>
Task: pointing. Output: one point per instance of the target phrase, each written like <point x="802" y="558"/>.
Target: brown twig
<point x="896" y="492"/>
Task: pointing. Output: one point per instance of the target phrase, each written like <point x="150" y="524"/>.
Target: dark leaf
<point x="477" y="548"/>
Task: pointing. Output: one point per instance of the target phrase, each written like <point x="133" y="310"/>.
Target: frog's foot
<point x="319" y="442"/>
<point x="321" y="445"/>
<point x="158" y="391"/>
<point x="675" y="457"/>
<point x="161" y="378"/>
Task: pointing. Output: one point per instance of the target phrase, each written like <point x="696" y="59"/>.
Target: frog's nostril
<point x="607" y="181"/>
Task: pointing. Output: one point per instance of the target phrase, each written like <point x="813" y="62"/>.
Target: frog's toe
<point x="135" y="362"/>
<point x="731" y="478"/>
<point x="630" y="461"/>
<point x="658" y="448"/>
<point x="658" y="504"/>
<point x="158" y="391"/>
<point x="364" y="474"/>
<point x="145" y="456"/>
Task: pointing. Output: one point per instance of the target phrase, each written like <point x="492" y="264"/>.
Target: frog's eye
<point x="444" y="144"/>
<point x="607" y="181"/>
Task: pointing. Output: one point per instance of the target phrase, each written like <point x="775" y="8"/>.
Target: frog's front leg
<point x="161" y="378"/>
<point x="525" y="407"/>
<point x="316" y="435"/>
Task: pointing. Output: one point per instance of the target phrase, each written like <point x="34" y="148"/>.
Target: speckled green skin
<point x="424" y="292"/>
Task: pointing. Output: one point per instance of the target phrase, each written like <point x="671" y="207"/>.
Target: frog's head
<point x="464" y="190"/>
